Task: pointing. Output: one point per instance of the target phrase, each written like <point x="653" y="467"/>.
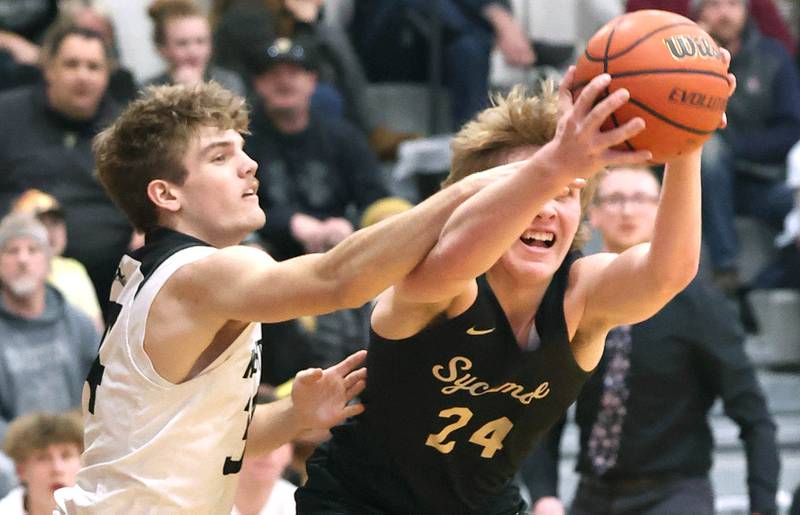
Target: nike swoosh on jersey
<point x="473" y="331"/>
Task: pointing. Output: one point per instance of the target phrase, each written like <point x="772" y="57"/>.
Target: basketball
<point x="675" y="74"/>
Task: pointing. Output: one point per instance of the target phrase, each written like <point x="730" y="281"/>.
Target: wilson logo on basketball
<point x="685" y="46"/>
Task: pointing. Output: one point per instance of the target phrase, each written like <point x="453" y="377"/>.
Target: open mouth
<point x="542" y="239"/>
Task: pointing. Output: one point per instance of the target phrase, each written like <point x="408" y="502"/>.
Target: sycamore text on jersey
<point x="475" y="387"/>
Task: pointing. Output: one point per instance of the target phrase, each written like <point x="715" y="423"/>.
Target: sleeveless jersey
<point x="452" y="411"/>
<point x="153" y="446"/>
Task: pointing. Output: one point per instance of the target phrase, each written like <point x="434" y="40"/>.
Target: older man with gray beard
<point x="46" y="346"/>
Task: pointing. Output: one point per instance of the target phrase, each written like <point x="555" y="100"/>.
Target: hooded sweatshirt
<point x="44" y="360"/>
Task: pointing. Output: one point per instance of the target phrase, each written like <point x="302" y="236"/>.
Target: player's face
<point x="539" y="251"/>
<point x="187" y="42"/>
<point x="77" y="76"/>
<point x="47" y="470"/>
<point x="219" y="198"/>
<point x="625" y="208"/>
<point x="286" y="87"/>
<point x="724" y="19"/>
<point x="24" y="266"/>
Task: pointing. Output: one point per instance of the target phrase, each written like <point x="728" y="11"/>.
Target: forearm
<point x="486" y="225"/>
<point x="374" y="258"/>
<point x="273" y="425"/>
<point x="674" y="253"/>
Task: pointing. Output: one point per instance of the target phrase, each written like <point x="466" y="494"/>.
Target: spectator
<point x="645" y="439"/>
<point x="783" y="271"/>
<point x="22" y="27"/>
<point x="318" y="168"/>
<point x="183" y="37"/>
<point x="68" y="275"/>
<point x="744" y="166"/>
<point x="46" y="449"/>
<point x="764" y="12"/>
<point x="92" y="15"/>
<point x="42" y="336"/>
<point x="45" y="143"/>
<point x="241" y="25"/>
<point x="388" y="32"/>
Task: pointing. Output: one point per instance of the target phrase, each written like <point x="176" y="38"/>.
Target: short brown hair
<point x="150" y="138"/>
<point x="36" y="431"/>
<point x="516" y="120"/>
<point x="161" y="11"/>
<point x="54" y="38"/>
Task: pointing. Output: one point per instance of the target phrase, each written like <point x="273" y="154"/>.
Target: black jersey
<point x="453" y="410"/>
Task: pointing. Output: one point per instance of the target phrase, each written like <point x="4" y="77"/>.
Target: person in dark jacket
<point x="45" y="143"/>
<point x="645" y="439"/>
<point x="744" y="166"/>
<point x="317" y="174"/>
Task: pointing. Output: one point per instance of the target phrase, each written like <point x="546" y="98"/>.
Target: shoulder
<point x="218" y="266"/>
<point x="18" y="103"/>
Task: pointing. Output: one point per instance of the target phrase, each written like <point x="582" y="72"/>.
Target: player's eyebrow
<point x="221" y="143"/>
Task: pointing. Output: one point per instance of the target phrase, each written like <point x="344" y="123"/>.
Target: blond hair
<point x="150" y="138"/>
<point x="516" y="120"/>
<point x="36" y="431"/>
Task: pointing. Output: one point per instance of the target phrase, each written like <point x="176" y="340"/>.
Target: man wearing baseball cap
<point x="322" y="173"/>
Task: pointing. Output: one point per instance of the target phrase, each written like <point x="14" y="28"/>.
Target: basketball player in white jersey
<point x="168" y="404"/>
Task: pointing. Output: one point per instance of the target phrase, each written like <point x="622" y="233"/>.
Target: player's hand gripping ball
<point x="675" y="73"/>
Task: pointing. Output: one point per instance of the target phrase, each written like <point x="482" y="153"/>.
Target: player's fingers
<point x="350" y="363"/>
<point x="351" y="410"/>
<point x="627" y="157"/>
<point x="308" y="375"/>
<point x="564" y="90"/>
<point x="354" y="377"/>
<point x="590" y="93"/>
<point x="356" y="389"/>
<point x="732" y="81"/>
<point x="606" y="107"/>
<point x="578" y="183"/>
<point x="726" y="56"/>
<point x="618" y="135"/>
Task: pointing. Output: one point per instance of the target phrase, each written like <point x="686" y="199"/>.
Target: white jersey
<point x="152" y="446"/>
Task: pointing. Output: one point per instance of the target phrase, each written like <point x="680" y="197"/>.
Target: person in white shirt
<point x="46" y="449"/>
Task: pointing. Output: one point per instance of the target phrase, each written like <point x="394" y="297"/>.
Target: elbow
<point x="350" y="294"/>
<point x="671" y="280"/>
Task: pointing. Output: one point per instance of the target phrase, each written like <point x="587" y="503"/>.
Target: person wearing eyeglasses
<point x="645" y="439"/>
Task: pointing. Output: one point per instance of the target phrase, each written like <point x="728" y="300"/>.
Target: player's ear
<point x="163" y="195"/>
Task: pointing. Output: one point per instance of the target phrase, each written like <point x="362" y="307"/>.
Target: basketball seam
<point x="633" y="45"/>
<point x="657" y="71"/>
<point x="667" y="71"/>
<point x="665" y="119"/>
<point x="605" y="70"/>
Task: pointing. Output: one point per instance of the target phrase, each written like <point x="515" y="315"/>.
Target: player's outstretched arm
<point x="241" y="283"/>
<point x="319" y="400"/>
<point x="487" y="224"/>
<point x="637" y="283"/>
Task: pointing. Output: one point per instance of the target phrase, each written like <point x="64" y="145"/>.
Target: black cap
<point x="282" y="50"/>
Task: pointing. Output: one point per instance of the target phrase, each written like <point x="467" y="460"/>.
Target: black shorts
<point x="326" y="494"/>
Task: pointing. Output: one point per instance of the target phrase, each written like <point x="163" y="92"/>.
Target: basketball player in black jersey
<point x="478" y="351"/>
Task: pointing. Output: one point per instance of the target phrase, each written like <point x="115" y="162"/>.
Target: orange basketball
<point x="674" y="72"/>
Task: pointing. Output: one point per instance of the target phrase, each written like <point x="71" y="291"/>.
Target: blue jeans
<point x="728" y="192"/>
<point x="668" y="497"/>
